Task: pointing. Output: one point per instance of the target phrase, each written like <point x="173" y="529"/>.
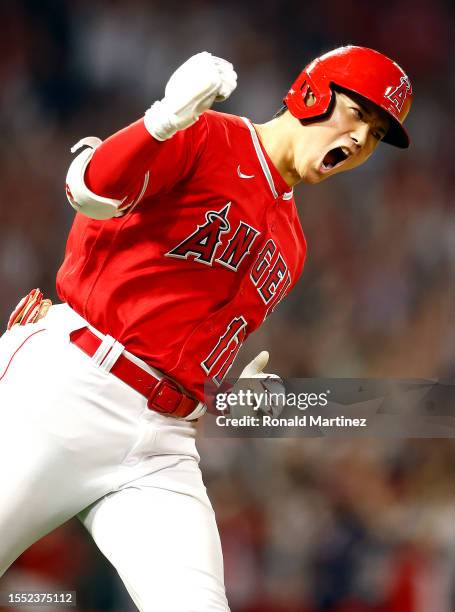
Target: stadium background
<point x="307" y="525"/>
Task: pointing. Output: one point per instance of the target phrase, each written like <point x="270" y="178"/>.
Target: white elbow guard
<point x="79" y="195"/>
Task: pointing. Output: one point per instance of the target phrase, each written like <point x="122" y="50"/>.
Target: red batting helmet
<point x="363" y="71"/>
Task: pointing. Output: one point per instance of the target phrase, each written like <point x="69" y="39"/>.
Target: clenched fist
<point x="190" y="91"/>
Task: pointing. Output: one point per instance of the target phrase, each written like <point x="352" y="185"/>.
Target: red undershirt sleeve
<point x="119" y="165"/>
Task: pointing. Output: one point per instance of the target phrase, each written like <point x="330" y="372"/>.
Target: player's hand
<point x="190" y="91"/>
<point x="32" y="308"/>
<point x="268" y="389"/>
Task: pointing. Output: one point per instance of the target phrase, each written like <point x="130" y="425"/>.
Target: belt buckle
<point x="165" y="397"/>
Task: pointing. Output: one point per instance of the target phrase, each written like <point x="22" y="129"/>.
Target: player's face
<point x="343" y="141"/>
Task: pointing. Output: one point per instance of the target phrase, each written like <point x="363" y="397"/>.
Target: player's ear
<point x="310" y="98"/>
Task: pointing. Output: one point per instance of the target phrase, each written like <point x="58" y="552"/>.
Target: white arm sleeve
<point x="79" y="195"/>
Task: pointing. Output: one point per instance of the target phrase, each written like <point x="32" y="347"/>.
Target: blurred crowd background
<point x="308" y="525"/>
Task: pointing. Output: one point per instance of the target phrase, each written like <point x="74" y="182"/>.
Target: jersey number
<point x="221" y="358"/>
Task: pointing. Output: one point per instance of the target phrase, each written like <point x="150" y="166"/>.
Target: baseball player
<point x="186" y="238"/>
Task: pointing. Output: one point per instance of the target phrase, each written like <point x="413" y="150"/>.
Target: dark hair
<point x="280" y="111"/>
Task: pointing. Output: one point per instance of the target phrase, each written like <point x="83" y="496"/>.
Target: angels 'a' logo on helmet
<point x="399" y="94"/>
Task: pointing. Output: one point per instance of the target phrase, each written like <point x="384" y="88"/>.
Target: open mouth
<point x="334" y="158"/>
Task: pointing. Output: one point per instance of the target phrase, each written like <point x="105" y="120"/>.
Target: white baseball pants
<point x="75" y="440"/>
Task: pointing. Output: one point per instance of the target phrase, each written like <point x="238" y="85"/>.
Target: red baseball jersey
<point x="209" y="245"/>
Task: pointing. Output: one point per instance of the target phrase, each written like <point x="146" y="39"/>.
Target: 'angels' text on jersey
<point x="205" y="245"/>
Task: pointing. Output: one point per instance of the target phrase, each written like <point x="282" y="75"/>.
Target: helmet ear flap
<point x="309" y="102"/>
<point x="320" y="108"/>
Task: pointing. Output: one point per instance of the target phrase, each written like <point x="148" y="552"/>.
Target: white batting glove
<point x="262" y="385"/>
<point x="190" y="91"/>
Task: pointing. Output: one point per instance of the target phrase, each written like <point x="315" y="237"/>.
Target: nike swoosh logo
<point x="244" y="176"/>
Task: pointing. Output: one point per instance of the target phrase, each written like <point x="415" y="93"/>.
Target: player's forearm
<point x="121" y="161"/>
